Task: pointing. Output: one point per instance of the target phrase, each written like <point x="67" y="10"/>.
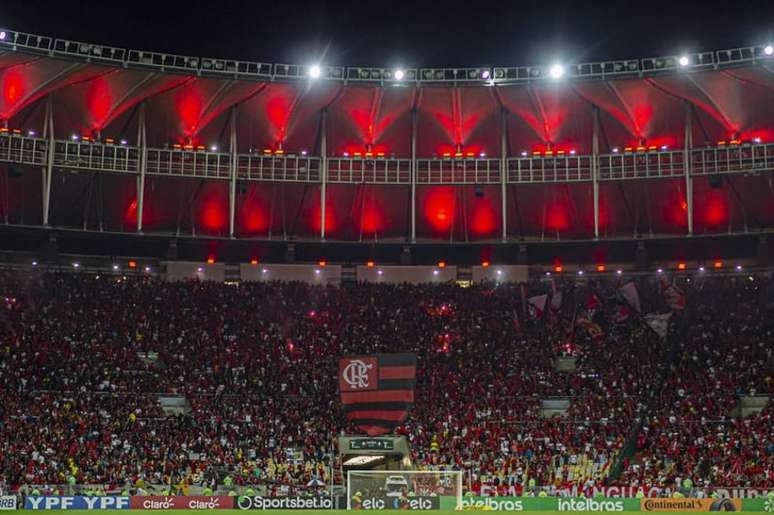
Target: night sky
<point x="413" y="33"/>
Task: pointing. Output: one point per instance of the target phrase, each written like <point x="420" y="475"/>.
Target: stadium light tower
<point x="768" y="50"/>
<point x="399" y="74"/>
<point x="556" y="71"/>
<point x="684" y="61"/>
<point x="315" y="71"/>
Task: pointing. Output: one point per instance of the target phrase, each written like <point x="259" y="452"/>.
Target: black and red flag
<point x="377" y="391"/>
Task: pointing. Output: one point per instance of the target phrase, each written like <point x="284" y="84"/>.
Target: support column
<point x="504" y="174"/>
<point x="323" y="169"/>
<point x="232" y="149"/>
<point x="143" y="144"/>
<point x="687" y="165"/>
<point x="48" y="133"/>
<point x="413" y="175"/>
<point x="595" y="170"/>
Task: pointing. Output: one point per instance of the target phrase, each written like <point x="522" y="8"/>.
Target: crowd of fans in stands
<point x="83" y="360"/>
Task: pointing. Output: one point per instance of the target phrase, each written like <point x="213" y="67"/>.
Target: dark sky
<point x="412" y="33"/>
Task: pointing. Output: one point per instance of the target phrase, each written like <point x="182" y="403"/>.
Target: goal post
<point x="404" y="489"/>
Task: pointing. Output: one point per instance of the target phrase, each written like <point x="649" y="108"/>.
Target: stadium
<point x="237" y="285"/>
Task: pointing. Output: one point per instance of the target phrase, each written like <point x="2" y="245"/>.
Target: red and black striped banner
<point x="377" y="391"/>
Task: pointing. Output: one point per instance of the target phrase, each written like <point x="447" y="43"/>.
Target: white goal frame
<point x="385" y="473"/>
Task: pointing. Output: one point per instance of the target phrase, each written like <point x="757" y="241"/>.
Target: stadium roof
<point x="642" y="119"/>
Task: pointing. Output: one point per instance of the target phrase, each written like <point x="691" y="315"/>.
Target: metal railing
<point x="100" y="157"/>
<point x="540" y="169"/>
<point x="252" y="70"/>
<point x="369" y="171"/>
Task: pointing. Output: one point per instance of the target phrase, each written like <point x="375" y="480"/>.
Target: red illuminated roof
<point x="193" y="106"/>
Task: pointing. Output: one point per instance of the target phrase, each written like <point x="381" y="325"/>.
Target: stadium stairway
<point x="671" y="359"/>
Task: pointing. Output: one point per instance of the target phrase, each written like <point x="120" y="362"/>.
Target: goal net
<point x="404" y="490"/>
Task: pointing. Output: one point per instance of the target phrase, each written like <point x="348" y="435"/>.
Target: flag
<point x="516" y="322"/>
<point x="622" y="314"/>
<point x="659" y="323"/>
<point x="592" y="329"/>
<point x="537" y="305"/>
<point x="592" y="305"/>
<point x="629" y="292"/>
<point x="556" y="301"/>
<point x="377" y="391"/>
<point x="674" y="297"/>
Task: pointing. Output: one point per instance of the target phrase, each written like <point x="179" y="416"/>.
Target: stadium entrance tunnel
<point x="369" y="453"/>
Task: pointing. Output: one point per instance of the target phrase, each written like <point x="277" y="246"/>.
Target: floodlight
<point x="485" y="74"/>
<point x="399" y="74"/>
<point x="684" y="61"/>
<point x="315" y="71"/>
<point x="768" y="49"/>
<point x="3" y="35"/>
<point x="556" y="71"/>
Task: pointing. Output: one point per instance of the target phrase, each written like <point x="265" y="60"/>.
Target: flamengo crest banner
<point x="377" y="391"/>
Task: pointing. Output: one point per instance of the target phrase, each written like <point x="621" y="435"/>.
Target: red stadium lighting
<point x="681" y="266"/>
<point x="718" y="264"/>
<point x="253" y="261"/>
<point x="370" y="264"/>
<point x="558" y="269"/>
<point x="485" y="264"/>
<point x="322" y="262"/>
<point x="601" y="268"/>
<point x="132" y="264"/>
<point x="442" y="264"/>
<point x="210" y="260"/>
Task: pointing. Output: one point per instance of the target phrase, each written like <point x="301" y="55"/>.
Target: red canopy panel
<point x="367" y="212"/>
<point x="550" y="211"/>
<point x="375" y="118"/>
<point x="546" y="116"/>
<point x="26" y="82"/>
<point x="457" y="119"/>
<point x="284" y="115"/>
<point x="648" y="114"/>
<point x="22" y="204"/>
<point x="461" y="213"/>
<point x="92" y="105"/>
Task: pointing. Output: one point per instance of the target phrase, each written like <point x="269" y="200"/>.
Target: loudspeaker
<point x="405" y="256"/>
<point x="290" y="254"/>
<point x="479" y="190"/>
<point x="171" y="254"/>
<point x="523" y="256"/>
<point x="715" y="181"/>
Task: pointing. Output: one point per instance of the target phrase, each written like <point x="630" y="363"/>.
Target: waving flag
<point x="659" y="323"/>
<point x="377" y="391"/>
<point x="537" y="305"/>
<point x="629" y="292"/>
<point x="674" y="296"/>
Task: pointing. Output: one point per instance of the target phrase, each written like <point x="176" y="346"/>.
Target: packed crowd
<point x="83" y="360"/>
<point x="727" y="351"/>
